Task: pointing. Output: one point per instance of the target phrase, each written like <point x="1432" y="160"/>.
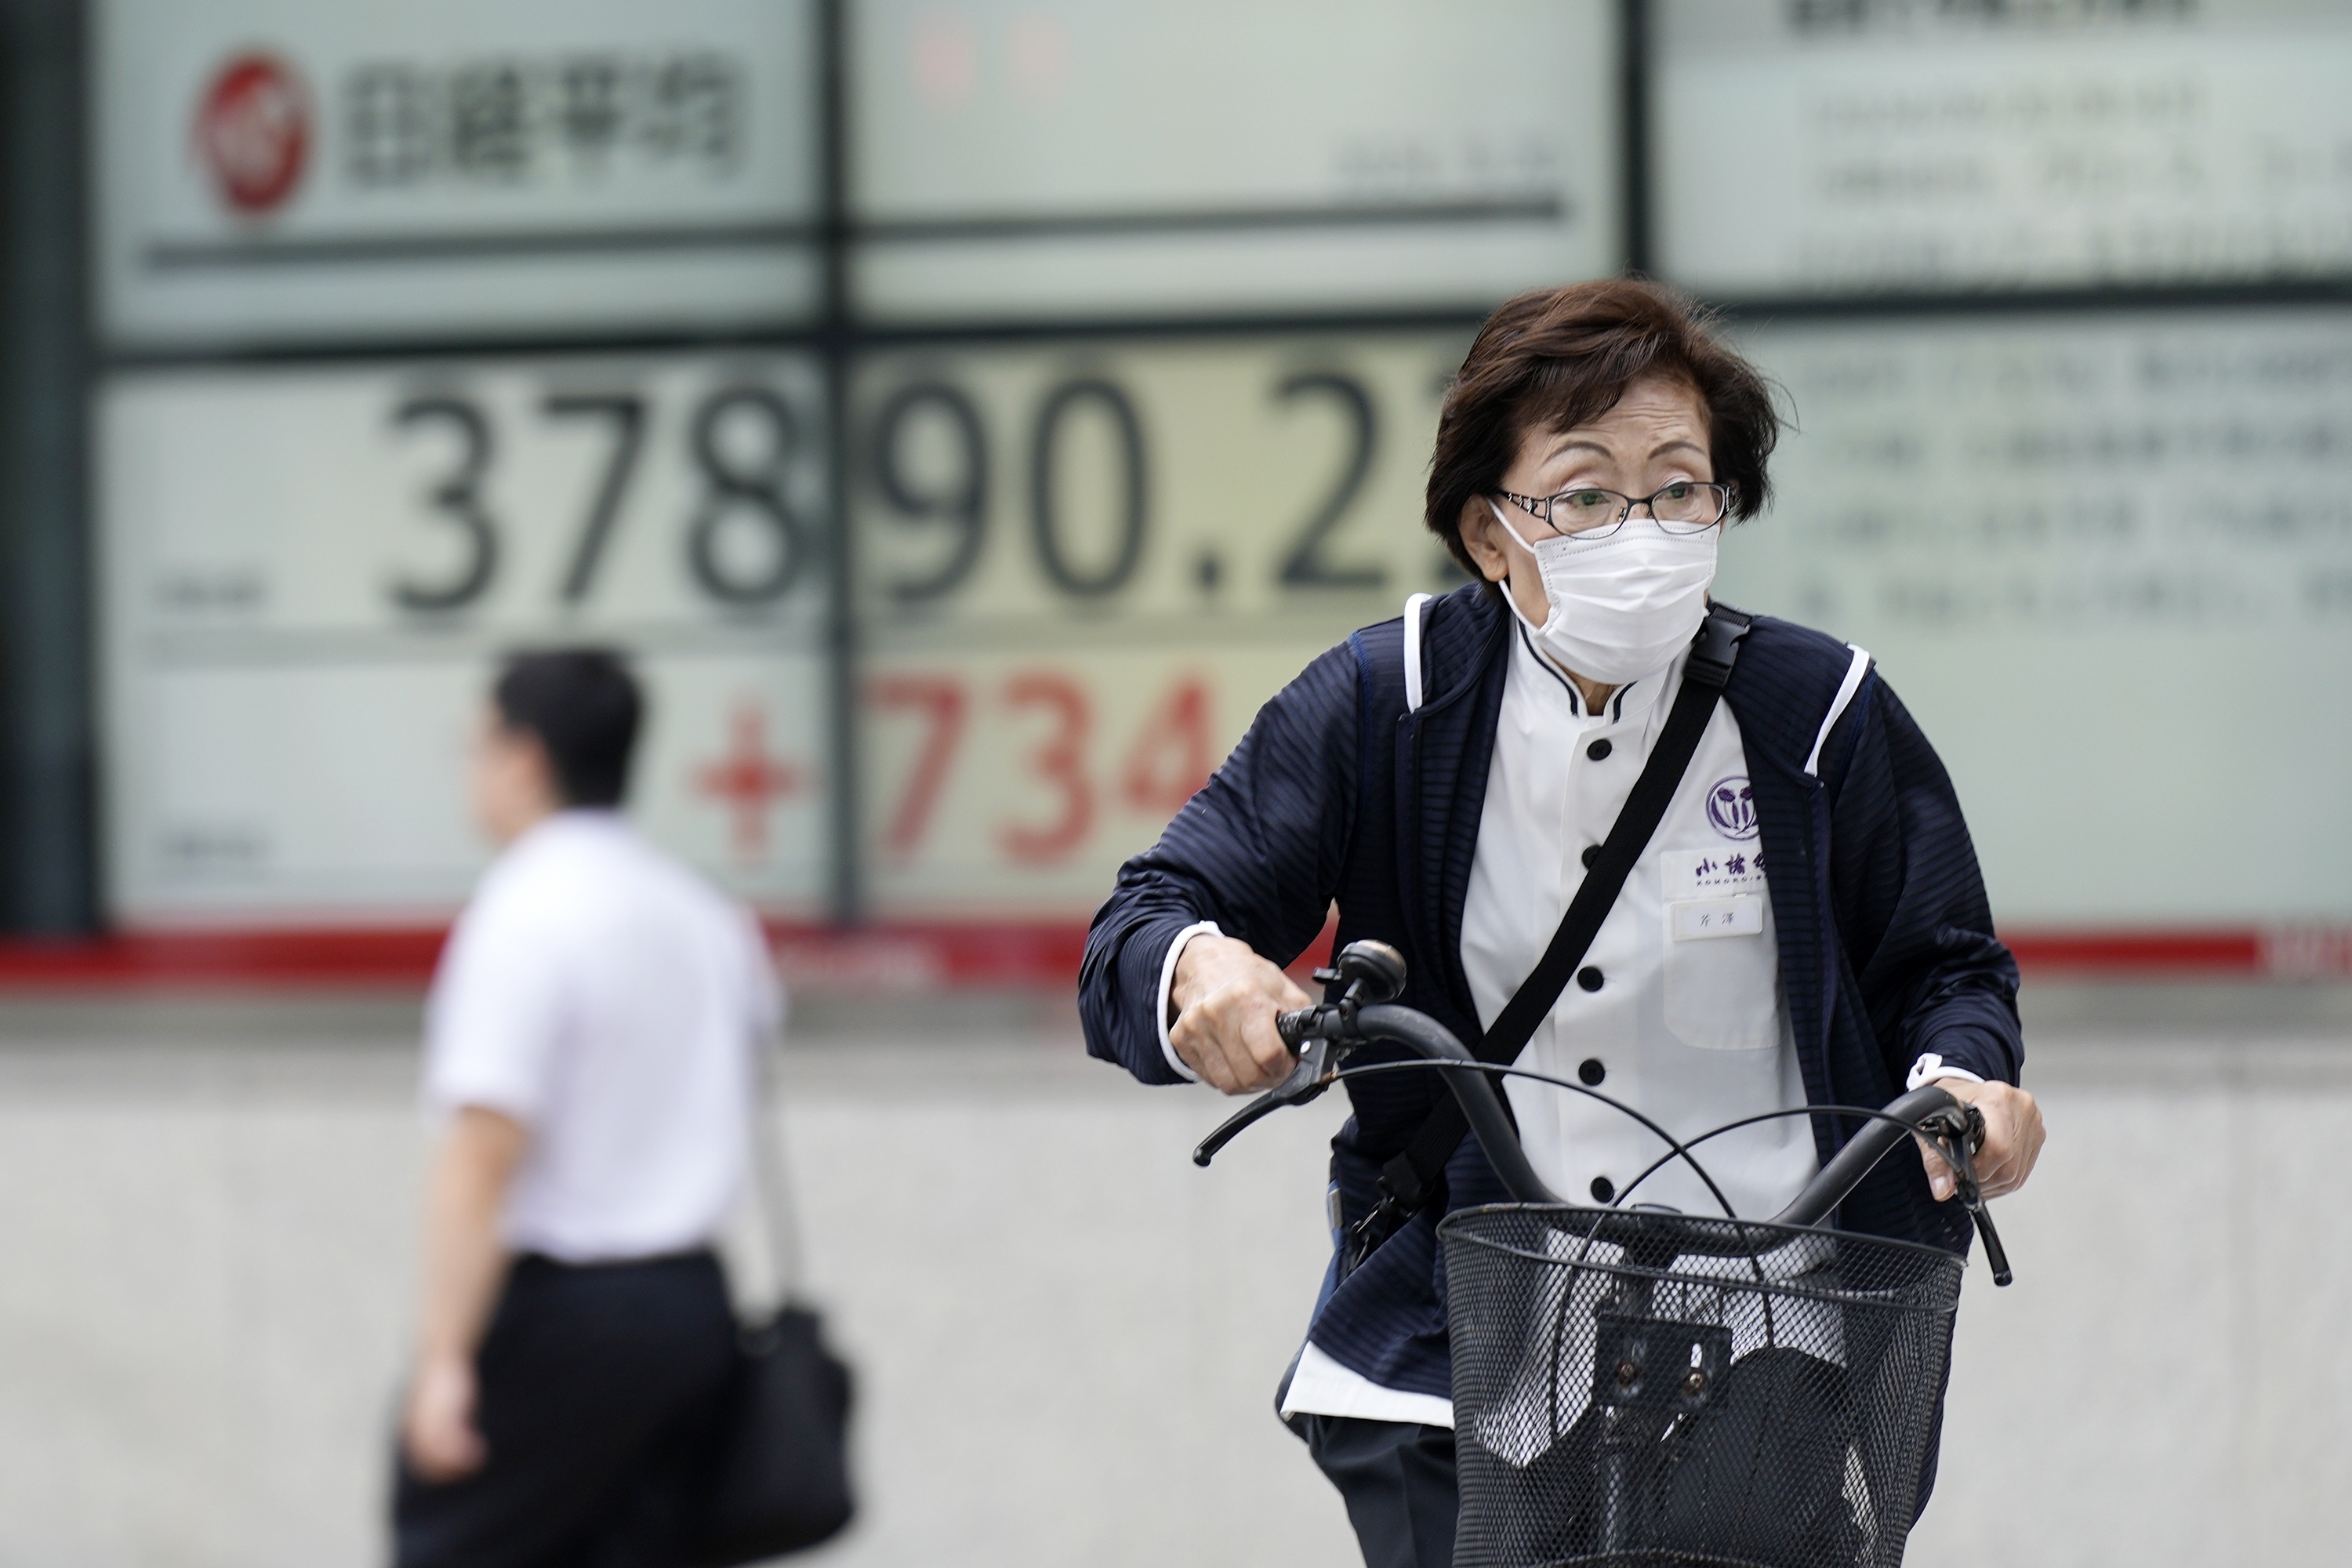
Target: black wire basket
<point x="1638" y="1386"/>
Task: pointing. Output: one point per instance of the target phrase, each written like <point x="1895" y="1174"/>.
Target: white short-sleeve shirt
<point x="611" y="1001"/>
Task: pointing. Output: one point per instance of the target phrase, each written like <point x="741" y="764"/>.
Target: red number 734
<point x="1171" y="756"/>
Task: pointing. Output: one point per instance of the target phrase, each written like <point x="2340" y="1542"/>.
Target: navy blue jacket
<point x="1337" y="792"/>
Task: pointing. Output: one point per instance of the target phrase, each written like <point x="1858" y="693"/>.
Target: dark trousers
<point x="599" y="1389"/>
<point x="1397" y="1479"/>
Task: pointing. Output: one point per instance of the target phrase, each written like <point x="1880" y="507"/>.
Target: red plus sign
<point x="748" y="779"/>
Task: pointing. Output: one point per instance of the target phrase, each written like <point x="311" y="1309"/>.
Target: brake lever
<point x="1957" y="1138"/>
<point x="1320" y="1034"/>
<point x="1308" y="1079"/>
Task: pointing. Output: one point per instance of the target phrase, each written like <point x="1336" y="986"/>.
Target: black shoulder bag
<point x="1412" y="1180"/>
<point x="776" y="1479"/>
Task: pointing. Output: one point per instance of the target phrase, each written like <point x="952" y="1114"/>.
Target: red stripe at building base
<point x="2269" y="953"/>
<point x="953" y="955"/>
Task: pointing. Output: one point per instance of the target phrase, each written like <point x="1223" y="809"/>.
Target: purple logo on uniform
<point x="1731" y="806"/>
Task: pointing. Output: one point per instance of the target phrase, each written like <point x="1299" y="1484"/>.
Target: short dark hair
<point x="584" y="706"/>
<point x="1554" y="358"/>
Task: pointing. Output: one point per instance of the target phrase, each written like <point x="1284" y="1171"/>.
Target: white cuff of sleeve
<point x="1167" y="983"/>
<point x="1929" y="1068"/>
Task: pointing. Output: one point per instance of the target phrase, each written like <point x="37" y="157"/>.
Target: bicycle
<point x="1636" y="1385"/>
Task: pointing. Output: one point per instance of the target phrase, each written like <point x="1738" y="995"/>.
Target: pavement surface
<point x="1067" y="1337"/>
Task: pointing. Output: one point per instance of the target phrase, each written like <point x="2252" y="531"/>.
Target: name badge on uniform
<point x="1739" y="914"/>
<point x="1720" y="995"/>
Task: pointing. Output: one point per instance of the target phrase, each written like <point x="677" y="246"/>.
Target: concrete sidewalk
<point x="1068" y="1336"/>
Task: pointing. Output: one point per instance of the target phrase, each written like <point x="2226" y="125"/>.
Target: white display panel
<point x="1113" y="157"/>
<point x="309" y="574"/>
<point x="284" y="171"/>
<point x="1082" y="568"/>
<point x="2107" y="563"/>
<point x="1822" y="147"/>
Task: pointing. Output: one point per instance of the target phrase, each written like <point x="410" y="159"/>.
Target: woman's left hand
<point x="2012" y="1139"/>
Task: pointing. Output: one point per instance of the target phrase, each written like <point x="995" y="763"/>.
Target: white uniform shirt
<point x="610" y="1001"/>
<point x="1676" y="1006"/>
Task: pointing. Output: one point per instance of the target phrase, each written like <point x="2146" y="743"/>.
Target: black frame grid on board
<point x="51" y="356"/>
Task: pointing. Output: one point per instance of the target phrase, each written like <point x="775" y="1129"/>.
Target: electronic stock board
<point x="468" y="328"/>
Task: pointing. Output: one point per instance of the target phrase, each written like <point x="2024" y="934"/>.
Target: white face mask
<point x="1621" y="605"/>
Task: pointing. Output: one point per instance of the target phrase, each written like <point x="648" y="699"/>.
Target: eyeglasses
<point x="1686" y="506"/>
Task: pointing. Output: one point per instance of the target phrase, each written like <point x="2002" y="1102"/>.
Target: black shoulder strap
<point x="1410" y="1180"/>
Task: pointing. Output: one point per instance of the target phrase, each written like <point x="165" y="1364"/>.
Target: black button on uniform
<point x="1603" y="1189"/>
<point x="1591" y="1072"/>
<point x="1591" y="853"/>
<point x="1599" y="750"/>
<point x="1589" y="977"/>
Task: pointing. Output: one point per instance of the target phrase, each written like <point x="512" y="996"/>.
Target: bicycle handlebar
<point x="1357" y="1010"/>
<point x="1912" y="1113"/>
<point x="1472" y="1090"/>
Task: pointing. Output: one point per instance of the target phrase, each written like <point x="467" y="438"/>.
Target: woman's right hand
<point x="1225" y="998"/>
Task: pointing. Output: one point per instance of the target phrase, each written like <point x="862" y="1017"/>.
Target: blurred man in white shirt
<point x="591" y="1039"/>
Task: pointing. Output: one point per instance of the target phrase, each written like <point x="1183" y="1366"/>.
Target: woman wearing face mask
<point x="1802" y="923"/>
